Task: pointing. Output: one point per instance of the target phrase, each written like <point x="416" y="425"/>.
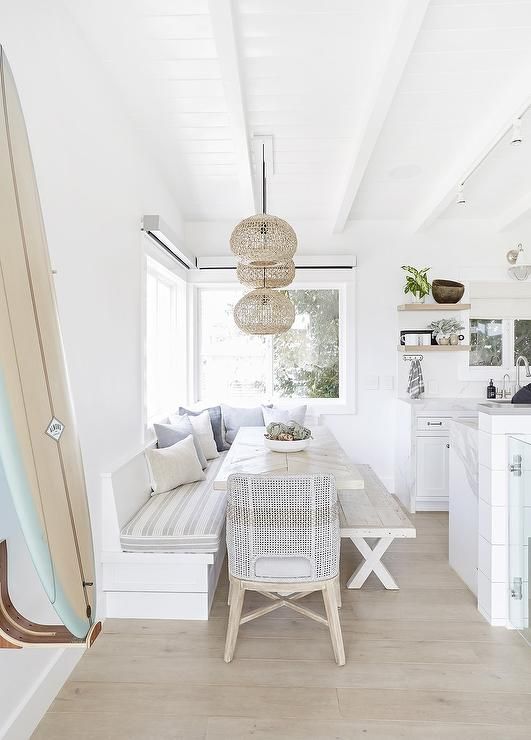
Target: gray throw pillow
<point x="170" y="434"/>
<point x="234" y="418"/>
<point x="217" y="424"/>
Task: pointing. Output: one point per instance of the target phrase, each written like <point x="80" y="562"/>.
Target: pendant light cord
<point x="264" y="193"/>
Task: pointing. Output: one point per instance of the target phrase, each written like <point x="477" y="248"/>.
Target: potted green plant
<point x="417" y="283"/>
<point x="446" y="331"/>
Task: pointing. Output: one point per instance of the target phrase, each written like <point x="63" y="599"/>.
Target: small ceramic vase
<point x="454" y="339"/>
<point x="442" y="339"/>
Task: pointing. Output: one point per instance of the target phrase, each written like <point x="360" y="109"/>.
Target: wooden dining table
<point x="368" y="514"/>
<point x="248" y="454"/>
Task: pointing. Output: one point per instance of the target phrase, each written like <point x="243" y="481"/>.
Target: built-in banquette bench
<point x="162" y="554"/>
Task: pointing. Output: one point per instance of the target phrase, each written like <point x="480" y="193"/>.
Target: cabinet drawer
<point x="433" y="423"/>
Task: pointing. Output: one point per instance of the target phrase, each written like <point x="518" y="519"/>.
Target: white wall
<point x="464" y="250"/>
<point x="96" y="180"/>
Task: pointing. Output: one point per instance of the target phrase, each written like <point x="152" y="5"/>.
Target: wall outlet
<point x="388" y="382"/>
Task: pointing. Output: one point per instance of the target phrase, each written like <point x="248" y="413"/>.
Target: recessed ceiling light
<point x="405" y="172"/>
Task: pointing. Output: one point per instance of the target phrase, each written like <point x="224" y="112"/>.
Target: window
<point x="486" y="342"/>
<point x="497" y="342"/>
<point x="302" y="363"/>
<point x="522" y="338"/>
<point x="165" y="355"/>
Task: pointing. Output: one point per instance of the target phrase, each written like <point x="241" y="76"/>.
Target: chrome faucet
<point x="519" y="362"/>
<point x="506" y="392"/>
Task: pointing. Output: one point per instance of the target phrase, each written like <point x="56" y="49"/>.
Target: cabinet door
<point x="432" y="467"/>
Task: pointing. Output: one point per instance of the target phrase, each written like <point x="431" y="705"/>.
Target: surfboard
<point x="39" y="449"/>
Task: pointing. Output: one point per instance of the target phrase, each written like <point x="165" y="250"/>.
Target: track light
<point x="460" y="199"/>
<point x="516" y="135"/>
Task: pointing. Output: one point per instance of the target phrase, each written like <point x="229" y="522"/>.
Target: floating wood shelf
<point x="416" y="348"/>
<point x="434" y="307"/>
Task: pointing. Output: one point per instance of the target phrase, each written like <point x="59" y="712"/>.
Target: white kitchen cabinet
<point x="432" y="467"/>
<point x="421" y="452"/>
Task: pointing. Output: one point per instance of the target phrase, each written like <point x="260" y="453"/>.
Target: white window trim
<point x="306" y="279"/>
<point x="485" y="372"/>
<point x="174" y="273"/>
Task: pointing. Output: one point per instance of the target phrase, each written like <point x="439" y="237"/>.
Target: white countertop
<point x="444" y="404"/>
<point x="505" y="409"/>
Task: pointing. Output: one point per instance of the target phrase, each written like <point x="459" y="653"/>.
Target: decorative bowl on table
<point x="290" y="437"/>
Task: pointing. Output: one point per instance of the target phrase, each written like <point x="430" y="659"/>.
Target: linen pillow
<point x="169" y="434"/>
<point x="203" y="430"/>
<point x="234" y="418"/>
<point x="173" y="466"/>
<point x="217" y="424"/>
<point x="297" y="413"/>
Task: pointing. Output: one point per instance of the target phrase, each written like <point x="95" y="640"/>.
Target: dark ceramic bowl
<point x="447" y="291"/>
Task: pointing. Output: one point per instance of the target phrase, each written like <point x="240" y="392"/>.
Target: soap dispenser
<point x="491" y="390"/>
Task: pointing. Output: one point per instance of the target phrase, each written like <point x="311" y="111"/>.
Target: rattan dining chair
<point x="283" y="542"/>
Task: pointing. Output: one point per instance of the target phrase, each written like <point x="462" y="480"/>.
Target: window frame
<point x="156" y="262"/>
<point x="305" y="280"/>
<point x="485" y="372"/>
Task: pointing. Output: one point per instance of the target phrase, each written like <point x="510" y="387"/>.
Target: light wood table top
<point x="323" y="455"/>
<point x="373" y="512"/>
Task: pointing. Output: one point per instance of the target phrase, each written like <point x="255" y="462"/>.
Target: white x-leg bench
<point x="372" y="513"/>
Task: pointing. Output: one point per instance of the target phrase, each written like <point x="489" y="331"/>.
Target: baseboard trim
<point x="434" y="504"/>
<point x="26" y="716"/>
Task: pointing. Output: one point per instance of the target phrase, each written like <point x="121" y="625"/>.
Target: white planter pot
<point x="276" y="445"/>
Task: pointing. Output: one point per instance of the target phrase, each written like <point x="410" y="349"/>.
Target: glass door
<point x="519" y="533"/>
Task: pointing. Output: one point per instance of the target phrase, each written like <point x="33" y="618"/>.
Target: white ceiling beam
<point x="222" y="16"/>
<point x="478" y="145"/>
<point x="514" y="212"/>
<point x="400" y="45"/>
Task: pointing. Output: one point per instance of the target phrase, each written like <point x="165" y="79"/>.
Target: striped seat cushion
<point x="188" y="519"/>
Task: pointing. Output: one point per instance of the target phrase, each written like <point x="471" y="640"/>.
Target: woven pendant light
<point x="263" y="240"/>
<point x="264" y="311"/>
<point x="279" y="276"/>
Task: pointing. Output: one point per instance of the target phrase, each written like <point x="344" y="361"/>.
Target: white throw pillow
<point x="170" y="467"/>
<point x="202" y="427"/>
<point x="275" y="414"/>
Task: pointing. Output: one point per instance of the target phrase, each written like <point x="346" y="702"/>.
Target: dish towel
<point x="415" y="383"/>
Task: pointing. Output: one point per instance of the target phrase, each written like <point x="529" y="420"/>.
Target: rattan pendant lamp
<point x="263" y="240"/>
<point x="264" y="246"/>
<point x="264" y="311"/>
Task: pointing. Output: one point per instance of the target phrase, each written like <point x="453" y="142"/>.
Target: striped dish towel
<point x="415" y="383"/>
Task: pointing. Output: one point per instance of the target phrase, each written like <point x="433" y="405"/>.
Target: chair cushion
<point x="188" y="519"/>
<point x="283" y="566"/>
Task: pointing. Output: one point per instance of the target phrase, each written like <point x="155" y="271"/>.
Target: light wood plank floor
<point x="422" y="664"/>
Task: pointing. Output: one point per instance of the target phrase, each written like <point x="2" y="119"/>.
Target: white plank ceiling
<point x="377" y="108"/>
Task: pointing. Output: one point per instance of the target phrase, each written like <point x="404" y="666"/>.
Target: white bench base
<point x="372" y="564"/>
<point x="150" y="585"/>
<point x="160" y="585"/>
<point x="372" y="513"/>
